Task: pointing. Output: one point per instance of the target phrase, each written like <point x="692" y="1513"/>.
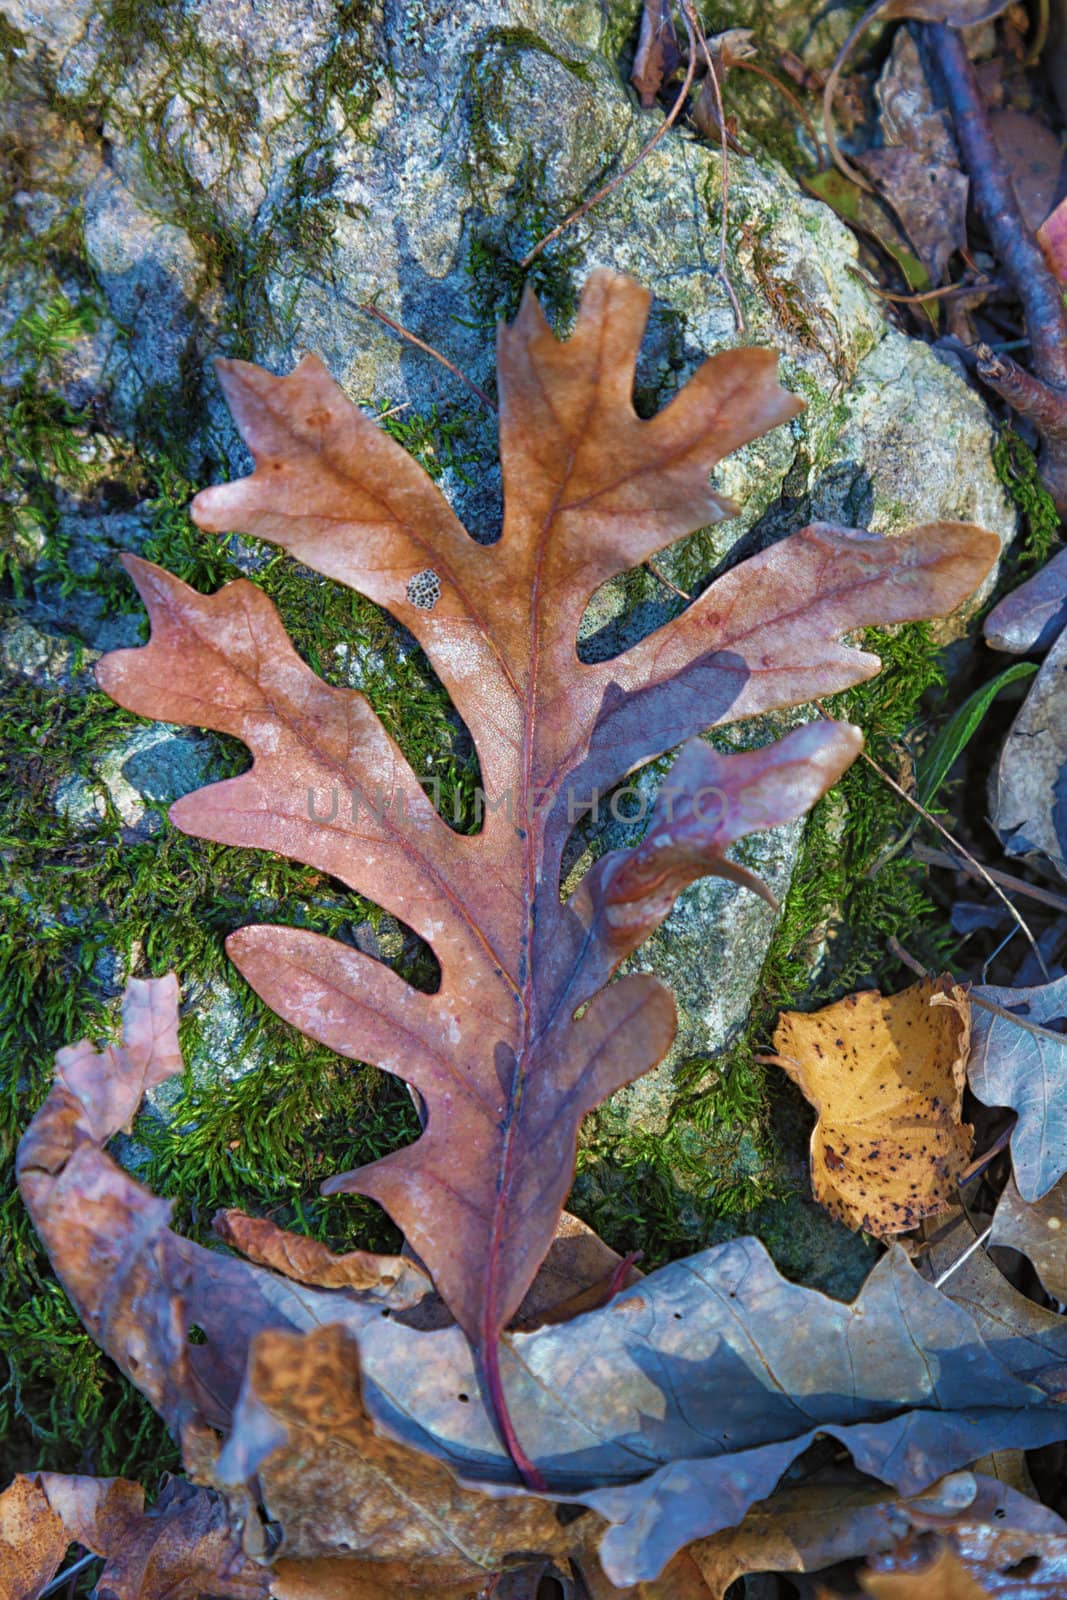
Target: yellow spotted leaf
<point x="886" y="1076"/>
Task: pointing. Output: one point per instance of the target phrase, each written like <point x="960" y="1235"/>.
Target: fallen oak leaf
<point x="182" y="1548"/>
<point x="1018" y="1061"/>
<point x="705" y="1349"/>
<point x="886" y="1076"/>
<point x="505" y="1069"/>
<point x="1038" y="1231"/>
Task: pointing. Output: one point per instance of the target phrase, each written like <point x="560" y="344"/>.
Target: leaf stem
<point x="498" y="1405"/>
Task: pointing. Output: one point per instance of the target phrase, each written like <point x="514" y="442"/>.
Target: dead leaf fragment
<point x="333" y="1482"/>
<point x="886" y="1075"/>
<point x="1033" y="616"/>
<point x="837" y="1518"/>
<point x="184" y="1547"/>
<point x="1017" y="1060"/>
<point x="305" y="1260"/>
<point x="1052" y="237"/>
<point x="929" y="200"/>
<point x="1029" y="785"/>
<point x="658" y="55"/>
<point x="1038" y="1231"/>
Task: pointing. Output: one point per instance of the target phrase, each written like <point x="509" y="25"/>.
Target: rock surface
<point x="244" y="177"/>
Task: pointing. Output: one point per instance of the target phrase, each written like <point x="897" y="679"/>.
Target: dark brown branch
<point x="1040" y="396"/>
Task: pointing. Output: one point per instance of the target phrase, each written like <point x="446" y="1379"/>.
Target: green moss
<point x="1016" y="467"/>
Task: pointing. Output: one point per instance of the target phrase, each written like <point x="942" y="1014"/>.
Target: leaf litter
<point x="333" y="1444"/>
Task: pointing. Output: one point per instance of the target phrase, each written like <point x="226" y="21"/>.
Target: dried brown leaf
<point x="886" y="1076"/>
<point x="658" y="55"/>
<point x="183" y="1548"/>
<point x="305" y="1260"/>
<point x="1038" y="1231"/>
<point x="504" y="1068"/>
<point x="335" y="1483"/>
<point x="667" y="1412"/>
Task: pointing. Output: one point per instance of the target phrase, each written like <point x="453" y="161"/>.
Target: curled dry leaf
<point x="836" y="1518"/>
<point x="886" y="1076"/>
<point x="667" y="1412"/>
<point x="183" y="1548"/>
<point x="505" y="1067"/>
<point x="1033" y="615"/>
<point x="1018" y="1061"/>
<point x="1038" y="1231"/>
<point x="658" y="55"/>
<point x="973" y="1562"/>
<point x="305" y="1260"/>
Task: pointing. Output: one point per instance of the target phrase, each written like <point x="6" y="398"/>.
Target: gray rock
<point x="141" y="772"/>
<point x="265" y="183"/>
<point x="42" y="658"/>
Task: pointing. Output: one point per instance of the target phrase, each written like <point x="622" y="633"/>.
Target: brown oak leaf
<point x="524" y="1035"/>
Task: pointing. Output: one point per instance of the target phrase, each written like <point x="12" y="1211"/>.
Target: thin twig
<point x="70" y="1572"/>
<point x="587" y="205"/>
<point x="1035" y="1028"/>
<point x="783" y="89"/>
<point x="980" y="1163"/>
<point x="971" y="1248"/>
<point x="371" y="310"/>
<point x="692" y="22"/>
<point x="663" y="578"/>
<point x="928" y="816"/>
<point x="953" y="291"/>
<point x="830" y="89"/>
<point x="941" y="858"/>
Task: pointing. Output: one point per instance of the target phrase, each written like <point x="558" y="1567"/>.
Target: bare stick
<point x="663" y="578"/>
<point x="830" y="89"/>
<point x="971" y="1248"/>
<point x="1016" y="247"/>
<point x="783" y="89"/>
<point x="405" y="333"/>
<point x="941" y="858"/>
<point x="692" y="23"/>
<point x="954" y="842"/>
<point x="587" y="205"/>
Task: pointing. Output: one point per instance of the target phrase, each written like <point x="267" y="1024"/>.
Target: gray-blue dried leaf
<point x="1030" y="784"/>
<point x="1030" y="618"/>
<point x="1020" y="1062"/>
